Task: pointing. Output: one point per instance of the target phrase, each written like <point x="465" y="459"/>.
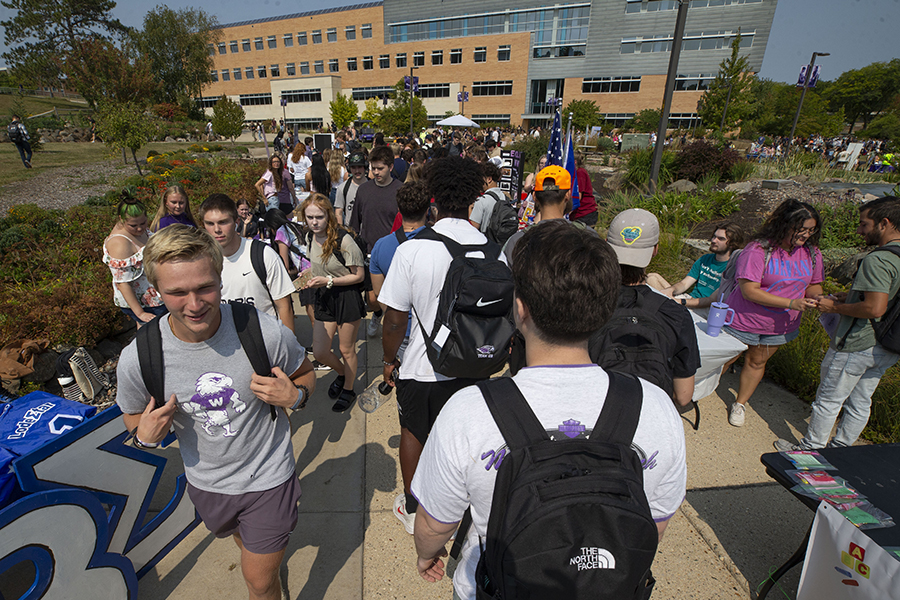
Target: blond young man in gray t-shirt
<point x="236" y="450"/>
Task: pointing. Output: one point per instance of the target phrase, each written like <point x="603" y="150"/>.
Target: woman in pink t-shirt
<point x="779" y="275"/>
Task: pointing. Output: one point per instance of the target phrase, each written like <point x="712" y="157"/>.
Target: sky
<point x="855" y="32"/>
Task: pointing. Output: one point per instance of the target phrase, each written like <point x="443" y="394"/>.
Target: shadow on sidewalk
<point x="758" y="525"/>
<point x="337" y="534"/>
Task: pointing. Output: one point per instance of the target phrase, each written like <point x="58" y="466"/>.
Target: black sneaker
<point x="317" y="366"/>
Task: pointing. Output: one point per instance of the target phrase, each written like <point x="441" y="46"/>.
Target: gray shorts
<point x="264" y="520"/>
<point x="759" y="339"/>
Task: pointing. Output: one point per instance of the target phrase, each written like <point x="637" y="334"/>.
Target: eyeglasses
<point x="809" y="230"/>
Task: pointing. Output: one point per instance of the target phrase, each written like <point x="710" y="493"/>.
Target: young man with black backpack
<point x="612" y="470"/>
<point x="866" y="342"/>
<point x="493" y="214"/>
<point x="18" y="135"/>
<point x="417" y="281"/>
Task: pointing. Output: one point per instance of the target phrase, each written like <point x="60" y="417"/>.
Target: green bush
<point x="741" y="170"/>
<point x="839" y="225"/>
<point x="701" y="159"/>
<point x="605" y="144"/>
<point x="638" y="168"/>
<point x="532" y="148"/>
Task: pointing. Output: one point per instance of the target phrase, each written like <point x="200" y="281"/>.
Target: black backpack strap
<point x="618" y="420"/>
<point x="345" y="190"/>
<point x="400" y="235"/>
<point x="461" y="532"/>
<point x="515" y="419"/>
<point x="150" y="358"/>
<point x="246" y="323"/>
<point x="257" y="260"/>
<point x="489" y="248"/>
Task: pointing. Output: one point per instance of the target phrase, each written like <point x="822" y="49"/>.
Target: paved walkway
<point x="734" y="527"/>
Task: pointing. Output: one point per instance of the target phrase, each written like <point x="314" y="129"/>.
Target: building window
<point x="332" y="34"/>
<point x="255" y="99"/>
<point x="214" y="75"/>
<point x="288" y="39"/>
<point x="237" y="73"/>
<point x="693" y="83"/>
<point x="248" y="72"/>
<point x="313" y="123"/>
<point x="304" y="68"/>
<point x="272" y="43"/>
<point x="437" y="57"/>
<point x="557" y="24"/>
<point x="351" y="64"/>
<point x="245" y="45"/>
<point x="384" y="61"/>
<point x="491" y="118"/>
<point x="350" y="32"/>
<point x="333" y="66"/>
<point x="481" y="54"/>
<point x="492" y="88"/>
<point x="301" y="38"/>
<point x="401" y="60"/>
<point x="222" y="48"/>
<point x="602" y="85"/>
<point x="368" y="63"/>
<point x="258" y="43"/>
<point x="206" y="102"/>
<point x="290" y="69"/>
<point x="319" y="67"/>
<point x="696" y="40"/>
<point x="366" y="30"/>
<point x="434" y="90"/>
<point x="503" y="53"/>
<point x="274" y="71"/>
<point x="210" y="49"/>
<point x="302" y="95"/>
<point x="364" y="93"/>
<point x="418" y="59"/>
<point x="233" y="46"/>
<point x="226" y="75"/>
<point x="317" y="36"/>
<point x="261" y="71"/>
<point x="456" y="56"/>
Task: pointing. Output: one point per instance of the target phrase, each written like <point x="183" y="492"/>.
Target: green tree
<point x="228" y="118"/>
<point x="585" y="114"/>
<point x="734" y="73"/>
<point x="43" y="36"/>
<point x="779" y="105"/>
<point x="865" y="93"/>
<point x="647" y="121"/>
<point x="176" y="44"/>
<point x="105" y="72"/>
<point x="395" y="116"/>
<point x="343" y="111"/>
<point x="372" y="111"/>
<point x="124" y="125"/>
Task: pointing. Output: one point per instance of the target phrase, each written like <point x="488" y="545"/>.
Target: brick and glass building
<point x="511" y="57"/>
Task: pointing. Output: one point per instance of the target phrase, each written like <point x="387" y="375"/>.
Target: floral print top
<point x="131" y="270"/>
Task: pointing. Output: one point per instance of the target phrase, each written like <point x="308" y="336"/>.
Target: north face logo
<point x="593" y="558"/>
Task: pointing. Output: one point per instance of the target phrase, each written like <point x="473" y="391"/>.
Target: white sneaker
<point x="736" y="416"/>
<point x="409" y="521"/>
<point x="372" y="328"/>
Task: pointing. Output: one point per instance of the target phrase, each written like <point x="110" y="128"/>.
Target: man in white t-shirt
<point x="566" y="391"/>
<point x="346" y="193"/>
<point x="484" y="205"/>
<point x="414" y="283"/>
<point x="240" y="283"/>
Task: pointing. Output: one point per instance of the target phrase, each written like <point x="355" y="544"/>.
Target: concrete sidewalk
<point x="733" y="528"/>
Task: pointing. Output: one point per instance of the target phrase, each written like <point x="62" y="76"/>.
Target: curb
<point x="709" y="536"/>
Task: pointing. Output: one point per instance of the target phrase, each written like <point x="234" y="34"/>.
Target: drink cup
<point x="719" y="316"/>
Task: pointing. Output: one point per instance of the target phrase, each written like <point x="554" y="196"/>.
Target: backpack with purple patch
<point x="473" y="328"/>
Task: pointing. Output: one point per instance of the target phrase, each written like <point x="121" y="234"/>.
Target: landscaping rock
<point x="615" y="182"/>
<point x="108" y="349"/>
<point x="44" y="367"/>
<point x="800" y="178"/>
<point x="740" y="187"/>
<point x="169" y="139"/>
<point x="776" y="184"/>
<point x="868" y="197"/>
<point x="682" y="185"/>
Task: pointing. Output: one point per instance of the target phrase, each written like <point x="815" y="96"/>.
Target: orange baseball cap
<point x="559" y="179"/>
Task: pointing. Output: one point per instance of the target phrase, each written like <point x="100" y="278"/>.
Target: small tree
<point x="228" y="118"/>
<point x="372" y="111"/>
<point x="734" y="73"/>
<point x="647" y="121"/>
<point x="124" y="125"/>
<point x="343" y="111"/>
<point x="585" y="114"/>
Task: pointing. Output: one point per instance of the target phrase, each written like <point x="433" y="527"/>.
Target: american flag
<point x="554" y="150"/>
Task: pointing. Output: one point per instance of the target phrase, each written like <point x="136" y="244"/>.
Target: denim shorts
<point x="761" y="339"/>
<point x="153" y="310"/>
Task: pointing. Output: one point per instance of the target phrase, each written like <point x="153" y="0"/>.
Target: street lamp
<point x="809" y="70"/>
<point x="412" y="90"/>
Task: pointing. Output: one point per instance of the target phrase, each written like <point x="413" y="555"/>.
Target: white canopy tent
<point x="458" y="121"/>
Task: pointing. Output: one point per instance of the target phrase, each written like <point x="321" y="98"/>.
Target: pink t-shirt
<point x="787" y="275"/>
<point x="284" y="196"/>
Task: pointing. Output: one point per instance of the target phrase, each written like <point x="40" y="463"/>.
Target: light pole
<point x="462" y="101"/>
<point x="809" y="70"/>
<point x="412" y="91"/>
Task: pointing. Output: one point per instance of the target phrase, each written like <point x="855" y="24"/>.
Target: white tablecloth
<point x="714" y="353"/>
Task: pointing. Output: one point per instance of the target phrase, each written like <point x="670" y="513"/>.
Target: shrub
<point x="605" y="144"/>
<point x="741" y="170"/>
<point x="839" y="225"/>
<point x="638" y="168"/>
<point x="700" y="159"/>
<point x="169" y="111"/>
<point x="532" y="148"/>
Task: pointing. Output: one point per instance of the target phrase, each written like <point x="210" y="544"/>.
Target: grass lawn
<point x="35" y="105"/>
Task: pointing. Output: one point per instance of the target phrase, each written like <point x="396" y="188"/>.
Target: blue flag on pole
<point x="570" y="167"/>
<point x="554" y="150"/>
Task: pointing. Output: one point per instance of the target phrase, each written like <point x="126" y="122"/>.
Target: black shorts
<point x="339" y="305"/>
<point x="421" y="401"/>
<point x="307" y="297"/>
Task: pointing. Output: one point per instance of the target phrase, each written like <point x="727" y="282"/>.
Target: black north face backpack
<point x="504" y="220"/>
<point x="569" y="518"/>
<point x="474" y="325"/>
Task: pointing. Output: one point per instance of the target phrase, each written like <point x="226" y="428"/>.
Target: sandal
<point x="334" y="390"/>
<point x="345" y="401"/>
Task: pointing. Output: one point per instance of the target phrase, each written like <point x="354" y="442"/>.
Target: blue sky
<point x="855" y="32"/>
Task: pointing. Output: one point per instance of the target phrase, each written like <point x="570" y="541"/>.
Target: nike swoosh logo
<point x="481" y="302"/>
<point x="247" y="273"/>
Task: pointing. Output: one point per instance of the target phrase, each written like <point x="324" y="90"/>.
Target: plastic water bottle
<point x="375" y="395"/>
